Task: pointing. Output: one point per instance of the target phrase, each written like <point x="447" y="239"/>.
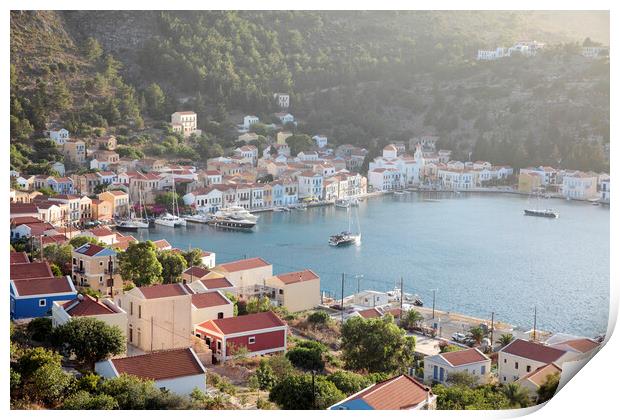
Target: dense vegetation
<point x="365" y="78"/>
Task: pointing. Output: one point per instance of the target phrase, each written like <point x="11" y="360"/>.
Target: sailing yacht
<point x="172" y="219"/>
<point x="347" y="237"/>
<point x="134" y="223"/>
<point x="538" y="212"/>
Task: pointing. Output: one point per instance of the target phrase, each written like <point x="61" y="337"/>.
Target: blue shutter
<point x="435" y="372"/>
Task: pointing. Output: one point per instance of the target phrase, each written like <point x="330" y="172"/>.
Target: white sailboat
<point x="347" y="237"/>
<point x="172" y="219"/>
<point x="134" y="223"/>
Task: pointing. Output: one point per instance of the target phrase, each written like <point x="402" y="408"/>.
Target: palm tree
<point x="505" y="339"/>
<point x="477" y="333"/>
<point x="412" y="318"/>
<point x="517" y="395"/>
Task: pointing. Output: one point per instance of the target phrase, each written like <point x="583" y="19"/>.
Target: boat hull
<point x="232" y="224"/>
<point x="537" y="213"/>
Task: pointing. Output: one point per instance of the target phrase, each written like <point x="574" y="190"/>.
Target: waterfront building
<point x="178" y="371"/>
<point x="457" y="179"/>
<point x="529" y="182"/>
<point x="95" y="266"/>
<point x="103" y="234"/>
<point x="245" y="274"/>
<point x="370" y="298"/>
<point x="87" y="306"/>
<point x="438" y="368"/>
<point x="310" y="185"/>
<point x="159" y="317"/>
<point x="579" y="185"/>
<point x="402" y="392"/>
<point x="101" y="210"/>
<point x="296" y="291"/>
<point x="521" y="357"/>
<point x="577" y="348"/>
<point x="119" y="201"/>
<point x="604" y="186"/>
<point x="384" y="179"/>
<point x="261" y="333"/>
<point x="72" y="211"/>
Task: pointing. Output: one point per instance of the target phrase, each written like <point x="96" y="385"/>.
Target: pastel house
<point x="521" y="357"/>
<point x="440" y="367"/>
<point x="534" y="380"/>
<point x="261" y="333"/>
<point x="297" y="291"/>
<point x="178" y="371"/>
<point x="210" y="305"/>
<point x="34" y="297"/>
<point x="87" y="306"/>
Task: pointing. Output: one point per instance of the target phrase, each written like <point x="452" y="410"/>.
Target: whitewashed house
<point x="439" y="367"/>
<point x="250" y="120"/>
<point x="59" y="137"/>
<point x="321" y="141"/>
<point x="521" y="357"/>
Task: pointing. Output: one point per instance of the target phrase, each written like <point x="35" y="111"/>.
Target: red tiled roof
<point x="54" y="239"/>
<point x="539" y="376"/>
<point x="216" y="283"/>
<point x="101" y="231"/>
<point x="86" y="306"/>
<point x="463" y="357"/>
<point x="582" y="345"/>
<point x="19" y="257"/>
<point x="241" y="265"/>
<point x="370" y="313"/>
<point x="162" y="243"/>
<point x="20" y="220"/>
<point x="197" y="272"/>
<point x="297" y="276"/>
<point x="160" y="365"/>
<point x="90" y="250"/>
<point x="238" y="324"/>
<point x="533" y="351"/>
<point x="30" y="271"/>
<point x="163" y="290"/>
<point x="23" y="208"/>
<point x="42" y="286"/>
<point x="209" y="299"/>
<point x="399" y="393"/>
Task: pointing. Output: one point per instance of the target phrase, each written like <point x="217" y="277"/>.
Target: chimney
<point x="80" y="297"/>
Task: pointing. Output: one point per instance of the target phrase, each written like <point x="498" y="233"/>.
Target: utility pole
<point x="313" y="390"/>
<point x="534" y="336"/>
<point x="434" y="290"/>
<point x="342" y="300"/>
<point x="151" y="332"/>
<point x="111" y="279"/>
<point x="402" y="294"/>
<point x="492" y="328"/>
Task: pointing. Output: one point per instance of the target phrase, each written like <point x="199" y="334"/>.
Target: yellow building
<point x="529" y="182"/>
<point x="159" y="317"/>
<point x="282" y="136"/>
<point x="101" y="210"/>
<point x="118" y="199"/>
<point x="93" y="266"/>
<point x="297" y="291"/>
<point x="75" y="151"/>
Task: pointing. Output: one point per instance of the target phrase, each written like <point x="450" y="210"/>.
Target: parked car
<point x="458" y="337"/>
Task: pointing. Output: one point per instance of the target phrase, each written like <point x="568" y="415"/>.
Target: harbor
<point x="460" y="245"/>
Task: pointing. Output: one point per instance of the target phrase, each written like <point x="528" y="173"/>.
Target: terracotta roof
<point x="30" y="271"/>
<point x="241" y="265"/>
<point x="85" y="305"/>
<point x="197" y="272"/>
<point x="399" y="393"/>
<point x="89" y="249"/>
<point x="370" y="313"/>
<point x="19" y="257"/>
<point x="162" y="243"/>
<point x="20" y="220"/>
<point x="101" y="231"/>
<point x="539" y="376"/>
<point x="582" y="345"/>
<point x="54" y="239"/>
<point x="238" y="324"/>
<point x="216" y="283"/>
<point x="160" y="365"/>
<point x="463" y="357"/>
<point x="209" y="299"/>
<point x="297" y="276"/>
<point x="533" y="351"/>
<point x="43" y="286"/>
<point x="22" y="208"/>
<point x="37" y="229"/>
<point x="163" y="290"/>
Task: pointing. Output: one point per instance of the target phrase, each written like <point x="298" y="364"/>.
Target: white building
<point x="285" y="117"/>
<point x="321" y="141"/>
<point x="59" y="137"/>
<point x="310" y="185"/>
<point x="178" y="371"/>
<point x="84" y="305"/>
<point x="250" y="120"/>
<point x="370" y="298"/>
<point x="604" y="190"/>
<point x="384" y="179"/>
<point x="307" y="156"/>
<point x="248" y="152"/>
<point x="282" y="99"/>
<point x="521" y="357"/>
<point x="439" y="367"/>
<point x="579" y="185"/>
<point x="185" y="122"/>
<point x="457" y="179"/>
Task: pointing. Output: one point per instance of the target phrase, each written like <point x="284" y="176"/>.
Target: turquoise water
<point x="477" y="250"/>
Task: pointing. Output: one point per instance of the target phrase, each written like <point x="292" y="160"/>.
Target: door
<point x="435" y="375"/>
<point x="441" y="374"/>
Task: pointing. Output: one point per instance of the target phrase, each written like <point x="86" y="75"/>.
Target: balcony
<point x="79" y="270"/>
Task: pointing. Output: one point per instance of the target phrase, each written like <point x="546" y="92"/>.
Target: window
<point x="219" y="345"/>
<point x="251" y="340"/>
<point x="281" y="291"/>
<point x="504" y="379"/>
<point x="516" y="365"/>
<point x="220" y="315"/>
<point x="483" y="370"/>
<point x="528" y="368"/>
<point x="139" y="311"/>
<point x="42" y="302"/>
<point x="130" y="308"/>
<point x="505" y="361"/>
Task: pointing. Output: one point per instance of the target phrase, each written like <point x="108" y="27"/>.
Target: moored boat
<point x="229" y="223"/>
<point x="344" y="239"/>
<point x="550" y="213"/>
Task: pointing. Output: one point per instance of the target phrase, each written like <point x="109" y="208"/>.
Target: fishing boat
<point x="342" y="204"/>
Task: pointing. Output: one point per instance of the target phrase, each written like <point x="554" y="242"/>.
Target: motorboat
<point x="229" y="223"/>
<point x="399" y="192"/>
<point x="342" y="204"/>
<point x="550" y="213"/>
<point x="200" y="217"/>
<point x="131" y="225"/>
<point x="236" y="213"/>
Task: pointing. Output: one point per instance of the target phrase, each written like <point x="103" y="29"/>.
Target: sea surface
<point x="477" y="250"/>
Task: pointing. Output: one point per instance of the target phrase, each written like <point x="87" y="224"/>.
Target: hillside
<point x="359" y="77"/>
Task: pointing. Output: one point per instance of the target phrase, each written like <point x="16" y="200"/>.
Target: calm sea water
<point x="477" y="250"/>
